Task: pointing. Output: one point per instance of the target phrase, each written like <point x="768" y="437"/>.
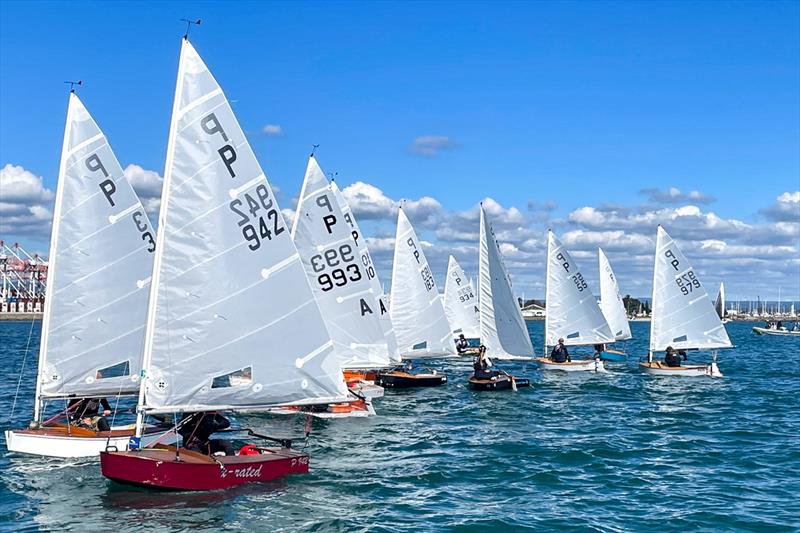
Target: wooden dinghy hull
<point x="659" y="368"/>
<point x="403" y="380"/>
<point x="500" y="383"/>
<point x="157" y="468"/>
<point x="584" y="365"/>
<point x="73" y="442"/>
<point x="353" y="409"/>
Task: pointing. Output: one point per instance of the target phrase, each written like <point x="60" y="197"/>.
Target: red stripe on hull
<point x="157" y="468"/>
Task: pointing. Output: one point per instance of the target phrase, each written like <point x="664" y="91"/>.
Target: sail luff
<point x="52" y="269"/>
<point x="161" y="239"/>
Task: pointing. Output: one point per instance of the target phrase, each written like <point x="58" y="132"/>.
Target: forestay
<point x="329" y="250"/>
<point x="502" y="328"/>
<point x="460" y="302"/>
<point x="572" y="310"/>
<point x="683" y="316"/>
<point x="232" y="320"/>
<point x="416" y="307"/>
<point x="611" y="303"/>
<point x="366" y="260"/>
<point x="99" y="270"/>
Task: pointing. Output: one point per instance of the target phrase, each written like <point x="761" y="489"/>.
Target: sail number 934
<point x="257" y="227"/>
<point x="341" y="265"/>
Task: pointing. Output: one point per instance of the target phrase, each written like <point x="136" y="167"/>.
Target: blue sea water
<point x="614" y="452"/>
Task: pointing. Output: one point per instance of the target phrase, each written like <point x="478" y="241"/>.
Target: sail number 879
<point x="687" y="282"/>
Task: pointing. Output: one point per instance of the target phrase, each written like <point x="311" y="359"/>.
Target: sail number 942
<point x="257" y="227"/>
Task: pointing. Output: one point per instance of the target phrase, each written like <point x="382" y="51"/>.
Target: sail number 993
<point x="341" y="265"/>
<point x="256" y="228"/>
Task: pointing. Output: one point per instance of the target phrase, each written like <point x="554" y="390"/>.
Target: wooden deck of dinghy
<point x="580" y="362"/>
<point x="661" y="365"/>
<point x="62" y="430"/>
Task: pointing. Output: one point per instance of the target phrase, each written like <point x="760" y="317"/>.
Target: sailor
<point x="673" y="358"/>
<point x="85" y="412"/>
<point x="481" y="365"/>
<point x="461" y="344"/>
<point x="560" y="354"/>
<point x="598" y="350"/>
<point x="196" y="430"/>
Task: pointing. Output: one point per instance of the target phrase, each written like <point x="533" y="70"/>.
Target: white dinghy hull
<point x="593" y="365"/>
<point x="690" y="371"/>
<point x="32" y="443"/>
<point x="776" y="332"/>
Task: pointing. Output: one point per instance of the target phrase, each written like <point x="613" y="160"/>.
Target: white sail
<point x="683" y="316"/>
<point x="611" y="303"/>
<point x="572" y="310"/>
<point x="99" y="269"/>
<point x="340" y="282"/>
<point x="460" y="302"/>
<point x="719" y="303"/>
<point x="232" y="320"/>
<point x="393" y="353"/>
<point x="503" y="330"/>
<point x="416" y="307"/>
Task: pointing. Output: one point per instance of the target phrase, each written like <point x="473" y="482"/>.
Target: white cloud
<point x="371" y="203"/>
<point x="785" y="209"/>
<point x="272" y="130"/>
<point x="25" y="203"/>
<point x="431" y="145"/>
<point x="674" y="195"/>
<point x="147" y="184"/>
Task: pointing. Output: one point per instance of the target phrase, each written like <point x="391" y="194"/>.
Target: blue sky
<point x="546" y="108"/>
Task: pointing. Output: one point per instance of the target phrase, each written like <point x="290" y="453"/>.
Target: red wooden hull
<point x="157" y="468"/>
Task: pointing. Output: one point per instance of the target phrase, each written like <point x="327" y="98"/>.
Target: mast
<point x="547" y="291"/>
<point x="161" y="239"/>
<point x="51" y="269"/>
<point x="653" y="315"/>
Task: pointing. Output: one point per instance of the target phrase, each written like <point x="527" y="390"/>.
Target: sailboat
<point x="719" y="304"/>
<point x="416" y="309"/>
<point x="613" y="308"/>
<point x="502" y="328"/>
<point x="393" y="353"/>
<point x="572" y="310"/>
<point x="340" y="281"/>
<point x="96" y="297"/>
<point x="232" y="323"/>
<point x="461" y="302"/>
<point x="683" y="316"/>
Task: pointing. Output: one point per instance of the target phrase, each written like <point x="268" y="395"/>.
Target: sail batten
<point x="232" y="319"/>
<point x="420" y="323"/>
<point x="683" y="315"/>
<point x="102" y="241"/>
<point x="502" y="327"/>
<point x="572" y="310"/>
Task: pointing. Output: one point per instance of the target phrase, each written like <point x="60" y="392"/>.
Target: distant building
<point x="533" y="311"/>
